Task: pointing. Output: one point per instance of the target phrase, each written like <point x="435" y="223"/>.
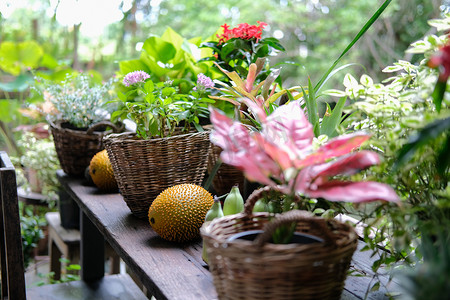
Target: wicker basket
<point x="259" y="270"/>
<point x="75" y="148"/>
<point x="144" y="168"/>
<point x="226" y="176"/>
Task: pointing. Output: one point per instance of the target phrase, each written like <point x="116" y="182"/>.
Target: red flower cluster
<point x="441" y="60"/>
<point x="243" y="31"/>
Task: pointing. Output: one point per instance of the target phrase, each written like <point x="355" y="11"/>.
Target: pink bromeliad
<point x="281" y="155"/>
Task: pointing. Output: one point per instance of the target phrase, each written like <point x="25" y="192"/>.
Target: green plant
<point x="79" y="99"/>
<point x="429" y="278"/>
<point x="409" y="123"/>
<point x="70" y="273"/>
<point x="39" y="155"/>
<point x="31" y="230"/>
<point x="158" y="108"/>
<point x="234" y="50"/>
<point x="165" y="58"/>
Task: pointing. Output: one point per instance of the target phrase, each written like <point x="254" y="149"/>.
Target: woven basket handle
<point x="290" y="217"/>
<point x="259" y="194"/>
<point x="92" y="128"/>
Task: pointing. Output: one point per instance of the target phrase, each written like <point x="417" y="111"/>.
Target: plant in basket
<point x="78" y="117"/>
<point x="170" y="145"/>
<point x="282" y="156"/>
<point x="262" y="93"/>
<point x="159" y="109"/>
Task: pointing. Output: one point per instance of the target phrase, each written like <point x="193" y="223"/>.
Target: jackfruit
<point x="179" y="211"/>
<point x="101" y="172"/>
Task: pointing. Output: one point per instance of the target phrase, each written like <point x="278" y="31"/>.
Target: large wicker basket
<point x="257" y="269"/>
<point x="226" y="176"/>
<point x="75" y="148"/>
<point x="144" y="168"/>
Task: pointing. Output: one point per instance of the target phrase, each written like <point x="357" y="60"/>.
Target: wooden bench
<point x="63" y="242"/>
<point x="168" y="270"/>
<point x="11" y="257"/>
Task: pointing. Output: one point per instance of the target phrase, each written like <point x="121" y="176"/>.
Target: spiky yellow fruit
<point x="179" y="211"/>
<point x="101" y="172"/>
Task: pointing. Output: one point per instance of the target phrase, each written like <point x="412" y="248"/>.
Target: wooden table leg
<point x="92" y="248"/>
<point x="55" y="255"/>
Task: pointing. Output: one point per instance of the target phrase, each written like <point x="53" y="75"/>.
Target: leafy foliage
<point x="401" y="115"/>
<point x="158" y="108"/>
<point x="71" y="273"/>
<point x="167" y="57"/>
<point x="40" y="155"/>
<point x="31" y="230"/>
<point x="78" y="99"/>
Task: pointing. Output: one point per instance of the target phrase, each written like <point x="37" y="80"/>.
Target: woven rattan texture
<point x="144" y="168"/>
<point x="243" y="270"/>
<point x="227" y="176"/>
<point x="75" y="148"/>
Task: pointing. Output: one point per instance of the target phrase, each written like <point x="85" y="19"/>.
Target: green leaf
<point x="159" y="49"/>
<point x="172" y="37"/>
<point x="121" y="96"/>
<point x="49" y="61"/>
<point x="72" y="267"/>
<point x="127" y="66"/>
<point x="6" y="109"/>
<point x="311" y="108"/>
<point x="375" y="287"/>
<point x="438" y="94"/>
<point x="443" y="161"/>
<point x="272" y="42"/>
<point x="198" y="127"/>
<point x="331" y="122"/>
<point x="16" y="57"/>
<point x="149" y="87"/>
<point x="334" y="93"/>
<point x="363" y="30"/>
<point x="429" y="132"/>
<point x="20" y="84"/>
<point x="350" y="81"/>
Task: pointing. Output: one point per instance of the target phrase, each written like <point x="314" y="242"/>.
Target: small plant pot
<point x="145" y="168"/>
<point x="297" y="238"/>
<point x="75" y="147"/>
<point x="245" y="265"/>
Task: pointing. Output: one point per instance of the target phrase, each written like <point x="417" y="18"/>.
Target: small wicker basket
<point x="75" y="148"/>
<point x="227" y="176"/>
<point x="144" y="168"/>
<point x="257" y="269"/>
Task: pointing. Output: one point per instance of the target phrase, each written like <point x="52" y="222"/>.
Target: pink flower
<point x="281" y="155"/>
<point x="135" y="77"/>
<point x="204" y="81"/>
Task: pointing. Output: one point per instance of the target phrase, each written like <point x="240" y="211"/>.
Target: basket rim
<point x="131" y="137"/>
<point x="57" y="125"/>
<point x="207" y="228"/>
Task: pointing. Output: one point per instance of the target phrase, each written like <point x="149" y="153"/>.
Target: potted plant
<point x="408" y="116"/>
<point x="169" y="147"/>
<point x="39" y="163"/>
<point x="78" y="119"/>
<point x="235" y="49"/>
<point x="282" y="156"/>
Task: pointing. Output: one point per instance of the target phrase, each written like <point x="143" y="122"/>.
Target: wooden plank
<point x="170" y="270"/>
